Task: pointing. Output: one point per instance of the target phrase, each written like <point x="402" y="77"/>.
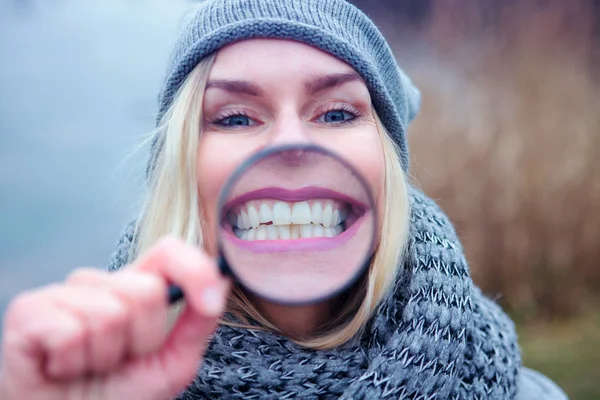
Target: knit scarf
<point x="435" y="336"/>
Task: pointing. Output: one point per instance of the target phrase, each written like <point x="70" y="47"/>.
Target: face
<point x="265" y="93"/>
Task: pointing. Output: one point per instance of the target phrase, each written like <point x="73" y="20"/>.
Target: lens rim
<point x="225" y="266"/>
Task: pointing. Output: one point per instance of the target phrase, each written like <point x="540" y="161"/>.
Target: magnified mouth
<point x="288" y="217"/>
<point x="279" y="220"/>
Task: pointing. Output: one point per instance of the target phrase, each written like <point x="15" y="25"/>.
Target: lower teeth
<point x="288" y="232"/>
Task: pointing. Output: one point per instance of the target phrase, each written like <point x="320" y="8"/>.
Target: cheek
<point x="212" y="174"/>
<point x="367" y="157"/>
<point x="218" y="157"/>
<point x="371" y="164"/>
<point x="364" y="152"/>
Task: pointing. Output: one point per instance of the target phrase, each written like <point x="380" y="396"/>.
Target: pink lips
<point x="314" y="244"/>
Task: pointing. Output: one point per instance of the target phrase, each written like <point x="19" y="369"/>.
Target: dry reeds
<point x="508" y="143"/>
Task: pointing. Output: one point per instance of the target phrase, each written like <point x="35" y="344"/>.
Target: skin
<point x="102" y="336"/>
<point x="282" y="111"/>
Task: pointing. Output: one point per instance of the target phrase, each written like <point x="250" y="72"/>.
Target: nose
<point x="296" y="158"/>
<point x="295" y="164"/>
<point x="289" y="129"/>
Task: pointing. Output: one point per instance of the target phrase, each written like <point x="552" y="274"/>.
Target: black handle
<point x="175" y="293"/>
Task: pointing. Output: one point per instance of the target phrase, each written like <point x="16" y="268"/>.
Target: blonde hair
<point x="172" y="207"/>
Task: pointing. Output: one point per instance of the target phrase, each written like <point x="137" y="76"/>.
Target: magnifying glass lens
<point x="297" y="224"/>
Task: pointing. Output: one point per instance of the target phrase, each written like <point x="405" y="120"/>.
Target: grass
<point x="566" y="352"/>
<point x="507" y="142"/>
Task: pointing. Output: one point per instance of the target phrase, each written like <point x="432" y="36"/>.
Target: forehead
<point x="256" y="58"/>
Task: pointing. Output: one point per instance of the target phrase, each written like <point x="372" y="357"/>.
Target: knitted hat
<point x="334" y="26"/>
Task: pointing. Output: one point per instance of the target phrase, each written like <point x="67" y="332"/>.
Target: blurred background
<point x="508" y="143"/>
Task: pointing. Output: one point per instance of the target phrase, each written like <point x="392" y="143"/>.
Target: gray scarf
<point x="435" y="336"/>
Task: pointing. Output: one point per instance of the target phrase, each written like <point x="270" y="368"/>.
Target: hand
<point x="104" y="336"/>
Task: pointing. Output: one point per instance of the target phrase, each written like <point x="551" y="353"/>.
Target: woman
<point x="246" y="75"/>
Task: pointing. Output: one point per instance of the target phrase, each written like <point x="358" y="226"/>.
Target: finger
<point x="192" y="332"/>
<point x="88" y="276"/>
<point x="184" y="350"/>
<point x="42" y="341"/>
<point x="105" y="319"/>
<point x="191" y="269"/>
<point x="168" y="372"/>
<point x="187" y="343"/>
<point x="66" y="348"/>
<point x="143" y="293"/>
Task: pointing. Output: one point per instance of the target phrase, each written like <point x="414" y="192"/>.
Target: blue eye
<point x="337" y="116"/>
<point x="233" y="121"/>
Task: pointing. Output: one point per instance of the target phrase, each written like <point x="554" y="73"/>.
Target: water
<point x="78" y="83"/>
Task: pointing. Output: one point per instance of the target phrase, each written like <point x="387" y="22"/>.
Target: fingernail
<point x="213" y="301"/>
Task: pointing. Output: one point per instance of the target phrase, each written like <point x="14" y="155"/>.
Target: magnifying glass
<point x="297" y="225"/>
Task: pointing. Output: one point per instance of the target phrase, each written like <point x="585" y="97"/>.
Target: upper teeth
<point x="326" y="213"/>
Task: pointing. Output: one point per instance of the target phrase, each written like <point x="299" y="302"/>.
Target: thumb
<point x="168" y="372"/>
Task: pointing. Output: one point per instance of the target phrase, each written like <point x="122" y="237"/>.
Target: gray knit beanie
<point x="334" y="26"/>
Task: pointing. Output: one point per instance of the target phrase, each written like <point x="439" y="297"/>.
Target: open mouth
<point x="279" y="220"/>
<point x="260" y="219"/>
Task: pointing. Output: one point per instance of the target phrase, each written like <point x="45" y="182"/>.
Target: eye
<point x="234" y="121"/>
<point x="337" y="116"/>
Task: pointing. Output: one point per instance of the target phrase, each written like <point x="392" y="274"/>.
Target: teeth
<point x="287" y="232"/>
<point x="317" y="213"/>
<point x="245" y="220"/>
<point x="295" y="232"/>
<point x="284" y="232"/>
<point x="301" y="213"/>
<point x="282" y="214"/>
<point x="253" y="216"/>
<point x="306" y="231"/>
<point x="272" y="232"/>
<point x="261" y="233"/>
<point x="265" y="213"/>
<point x="327" y="215"/>
<point x="335" y="219"/>
<point x="318" y="231"/>
<point x="288" y="220"/>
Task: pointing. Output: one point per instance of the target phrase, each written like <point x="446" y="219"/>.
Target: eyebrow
<point x="317" y="84"/>
<point x="233" y="86"/>
<point x="324" y="82"/>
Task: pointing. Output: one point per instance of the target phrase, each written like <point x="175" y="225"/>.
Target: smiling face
<point x="297" y="206"/>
